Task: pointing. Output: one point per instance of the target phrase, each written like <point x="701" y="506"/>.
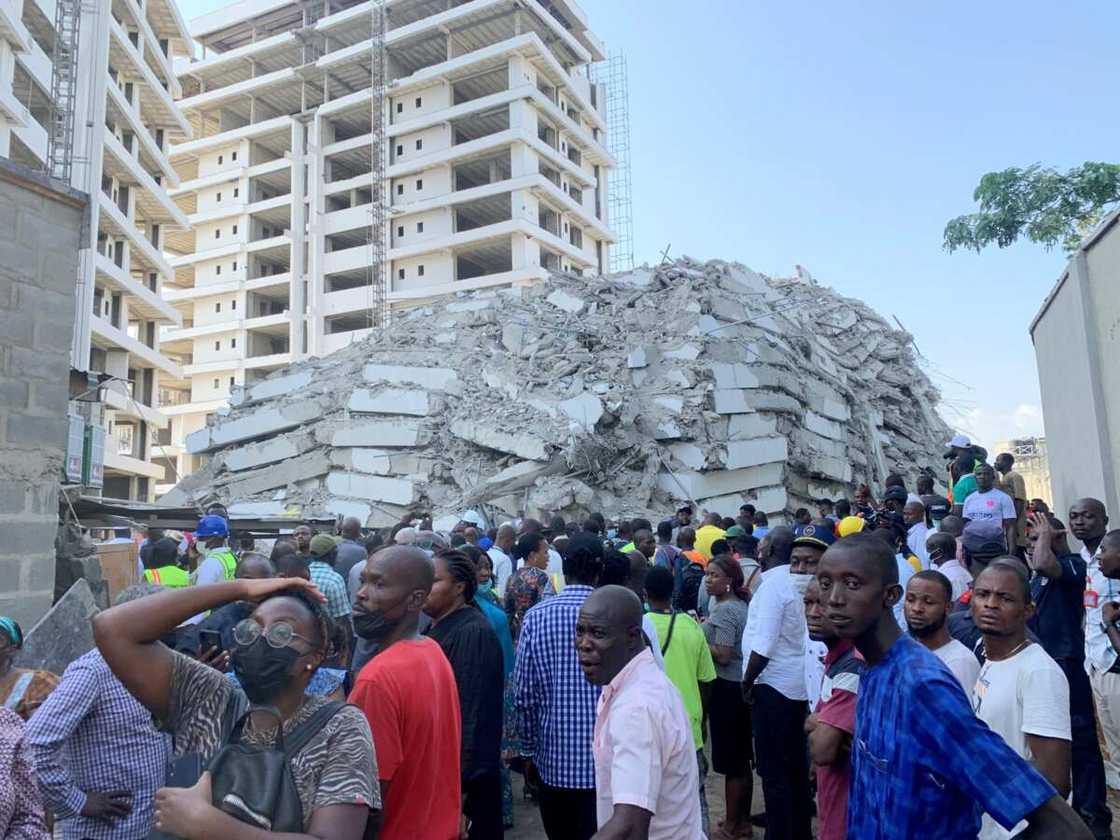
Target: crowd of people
<point x="919" y="665"/>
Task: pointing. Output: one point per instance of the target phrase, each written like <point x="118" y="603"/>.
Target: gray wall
<point x="1076" y="338"/>
<point x="39" y="235"/>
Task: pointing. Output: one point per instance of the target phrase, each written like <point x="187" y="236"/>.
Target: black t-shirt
<point x="1060" y="609"/>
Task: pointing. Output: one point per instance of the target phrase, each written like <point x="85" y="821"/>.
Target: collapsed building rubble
<point x="704" y="382"/>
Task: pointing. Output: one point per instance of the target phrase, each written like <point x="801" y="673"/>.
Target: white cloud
<point x="987" y="426"/>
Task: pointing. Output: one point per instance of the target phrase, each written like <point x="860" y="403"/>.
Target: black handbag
<point x="254" y="783"/>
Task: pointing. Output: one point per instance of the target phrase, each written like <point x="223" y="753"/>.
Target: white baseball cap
<point x="959" y="442"/>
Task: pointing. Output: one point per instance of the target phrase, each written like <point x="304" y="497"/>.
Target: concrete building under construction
<point x="348" y="158"/>
<point x="87" y="94"/>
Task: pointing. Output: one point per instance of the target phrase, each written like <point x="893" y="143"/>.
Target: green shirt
<point x="964" y="488"/>
<point x="688" y="662"/>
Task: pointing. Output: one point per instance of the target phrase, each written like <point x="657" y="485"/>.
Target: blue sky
<point x="841" y="137"/>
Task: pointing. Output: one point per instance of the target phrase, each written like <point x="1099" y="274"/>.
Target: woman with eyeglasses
<point x="276" y="652"/>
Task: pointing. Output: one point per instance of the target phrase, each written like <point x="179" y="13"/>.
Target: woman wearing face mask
<point x="728" y="714"/>
<point x="485" y="568"/>
<point x="472" y="648"/>
<point x="530" y="583"/>
<point x="21" y="689"/>
<point x="277" y="651"/>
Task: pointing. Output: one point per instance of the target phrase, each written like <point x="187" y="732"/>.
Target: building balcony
<point x="253" y="86"/>
<point x="12" y="28"/>
<point x="152" y="52"/>
<point x="127" y="465"/>
<point x="118" y="110"/>
<point x="278" y="126"/>
<point x="152" y="201"/>
<point x="143" y="253"/>
<point x="104" y="335"/>
<point x="142" y="300"/>
<point x="156" y="104"/>
<point x="122" y="403"/>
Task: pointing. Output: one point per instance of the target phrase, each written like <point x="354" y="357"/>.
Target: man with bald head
<point x="351" y="551"/>
<point x="501" y="559"/>
<point x="409" y="696"/>
<point x="911" y="776"/>
<point x="917" y="530"/>
<point x="251" y="566"/>
<point x="647" y="787"/>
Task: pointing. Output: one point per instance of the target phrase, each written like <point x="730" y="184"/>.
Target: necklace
<point x="1018" y="648"/>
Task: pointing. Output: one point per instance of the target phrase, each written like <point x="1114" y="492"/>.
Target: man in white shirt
<point x="1102" y="641"/>
<point x="914" y="515"/>
<point x="942" y="550"/>
<point x="988" y="504"/>
<point x="500" y="557"/>
<point x="926" y="603"/>
<point x="1021" y="693"/>
<point x="774" y="678"/>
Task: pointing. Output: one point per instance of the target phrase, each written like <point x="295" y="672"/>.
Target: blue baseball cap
<point x="816" y="536"/>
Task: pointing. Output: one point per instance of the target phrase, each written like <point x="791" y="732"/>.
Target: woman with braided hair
<point x="472" y="648"/>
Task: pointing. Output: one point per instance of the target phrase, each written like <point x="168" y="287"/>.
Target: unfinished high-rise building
<point x="87" y="94"/>
<point x="350" y="158"/>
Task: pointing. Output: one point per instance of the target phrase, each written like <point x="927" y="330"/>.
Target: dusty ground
<point x="527" y="820"/>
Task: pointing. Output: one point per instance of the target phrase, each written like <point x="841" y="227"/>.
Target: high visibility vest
<point x="229" y="562"/>
<point x="170" y="576"/>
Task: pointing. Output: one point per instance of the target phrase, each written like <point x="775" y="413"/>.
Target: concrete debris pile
<point x="704" y="382"/>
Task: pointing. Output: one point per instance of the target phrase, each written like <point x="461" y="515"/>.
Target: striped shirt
<point x="332" y="585"/>
<point x="554" y="701"/>
<point x="90" y="734"/>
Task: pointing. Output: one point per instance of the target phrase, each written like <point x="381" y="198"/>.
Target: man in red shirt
<point x="408" y="694"/>
<point x="833" y="722"/>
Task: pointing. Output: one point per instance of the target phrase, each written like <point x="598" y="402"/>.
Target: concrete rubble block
<point x="671" y="404"/>
<point x="806" y="440"/>
<point x="734" y="376"/>
<point x="258" y="454"/>
<point x="291" y="384"/>
<point x="745" y="426"/>
<point x="378" y="488"/>
<point x="522" y="445"/>
<point x="431" y="378"/>
<point x="376" y="433"/>
<point x="251" y="509"/>
<point x="770" y="500"/>
<point x="760" y="400"/>
<point x="568" y="302"/>
<point x="468" y="305"/>
<point x="583" y="410"/>
<point x="390" y="401"/>
<point x="685" y="353"/>
<point x="821" y="425"/>
<point x="348" y="507"/>
<point x="835" y="468"/>
<point x="63" y="634"/>
<point x="689" y="484"/>
<point x="260" y="423"/>
<point x="641" y="356"/>
<point x="731" y="401"/>
<point x="749" y="453"/>
<point x="513" y="338"/>
<point x="302" y="468"/>
<point x="689" y="454"/>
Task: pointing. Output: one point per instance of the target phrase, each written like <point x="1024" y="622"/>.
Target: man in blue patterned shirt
<point x="922" y="764"/>
<point x="98" y="758"/>
<point x="555" y="702"/>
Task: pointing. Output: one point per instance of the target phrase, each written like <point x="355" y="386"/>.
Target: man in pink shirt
<point x="645" y="759"/>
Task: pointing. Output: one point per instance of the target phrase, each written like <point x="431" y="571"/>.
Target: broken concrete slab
<point x="290" y="384"/>
<point x="734" y="376"/>
<point x="750" y="453"/>
<point x="821" y="425"/>
<point x="258" y="454"/>
<point x="410" y="401"/>
<point x="258" y="424"/>
<point x="568" y="302"/>
<point x="688" y="484"/>
<point x="432" y="378"/>
<point x="359" y="486"/>
<point x="731" y="401"/>
<point x="744" y="426"/>
<point x="522" y="445"/>
<point x="301" y="468"/>
<point x="63" y="634"/>
<point x="583" y="410"/>
<point x="375" y="433"/>
<point x="248" y="509"/>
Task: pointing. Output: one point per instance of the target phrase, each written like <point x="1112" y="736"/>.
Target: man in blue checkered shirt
<point x="555" y="702"/>
<point x="98" y="758"/>
<point x="922" y="764"/>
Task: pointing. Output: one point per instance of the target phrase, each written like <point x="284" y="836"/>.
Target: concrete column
<point x="319" y="134"/>
<point x="297" y="301"/>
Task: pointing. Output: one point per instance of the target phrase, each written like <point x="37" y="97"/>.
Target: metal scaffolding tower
<point x="379" y="71"/>
<point x="64" y="84"/>
<point x="620" y="208"/>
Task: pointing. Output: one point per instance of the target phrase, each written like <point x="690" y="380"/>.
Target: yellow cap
<point x="850" y="525"/>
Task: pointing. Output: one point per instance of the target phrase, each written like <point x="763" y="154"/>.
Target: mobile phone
<point x="209" y="639"/>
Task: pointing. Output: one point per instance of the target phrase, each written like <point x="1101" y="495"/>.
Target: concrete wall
<point x="39" y="236"/>
<point x="1076" y="337"/>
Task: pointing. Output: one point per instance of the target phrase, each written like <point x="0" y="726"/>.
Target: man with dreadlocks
<point x="472" y="648"/>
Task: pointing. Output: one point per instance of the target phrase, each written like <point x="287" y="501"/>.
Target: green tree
<point x="1047" y="206"/>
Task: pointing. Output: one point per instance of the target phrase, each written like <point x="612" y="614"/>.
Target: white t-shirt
<point x="962" y="662"/>
<point x="993" y="506"/>
<point x="503" y="569"/>
<point x="776" y="629"/>
<point x="1025" y="695"/>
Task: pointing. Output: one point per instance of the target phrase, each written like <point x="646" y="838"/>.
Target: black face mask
<point x="374" y="625"/>
<point x="262" y="670"/>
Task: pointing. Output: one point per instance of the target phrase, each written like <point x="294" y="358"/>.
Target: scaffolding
<point x="64" y="83"/>
<point x="620" y="208"/>
<point x="378" y="305"/>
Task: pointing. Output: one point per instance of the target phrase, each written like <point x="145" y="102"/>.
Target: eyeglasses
<point x="279" y="634"/>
